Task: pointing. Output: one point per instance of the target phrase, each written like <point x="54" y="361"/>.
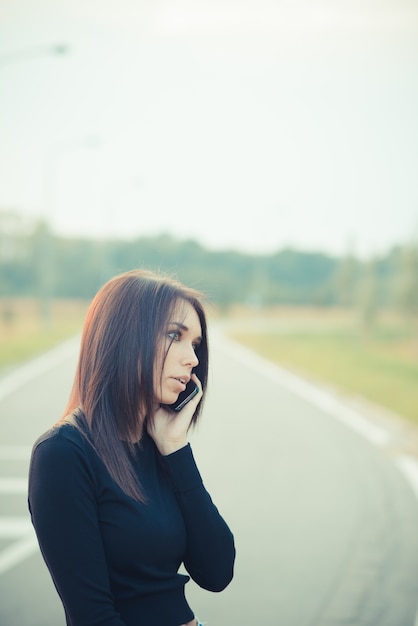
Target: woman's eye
<point x="175" y="335"/>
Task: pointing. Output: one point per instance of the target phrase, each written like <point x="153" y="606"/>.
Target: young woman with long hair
<point x="116" y="498"/>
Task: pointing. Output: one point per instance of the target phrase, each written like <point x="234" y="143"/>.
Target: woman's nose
<point x="190" y="357"/>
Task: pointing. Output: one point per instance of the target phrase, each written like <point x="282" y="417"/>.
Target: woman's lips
<point x="181" y="383"/>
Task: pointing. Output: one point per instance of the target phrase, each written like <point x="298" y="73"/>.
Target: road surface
<point x="324" y="519"/>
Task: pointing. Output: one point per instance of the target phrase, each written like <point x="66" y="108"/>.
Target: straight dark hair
<point x="113" y="390"/>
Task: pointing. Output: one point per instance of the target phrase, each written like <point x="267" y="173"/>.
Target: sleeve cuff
<point x="182" y="469"/>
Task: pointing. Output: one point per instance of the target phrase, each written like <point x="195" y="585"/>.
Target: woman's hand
<point x="169" y="429"/>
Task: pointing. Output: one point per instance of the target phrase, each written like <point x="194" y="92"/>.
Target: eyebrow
<point x="185" y="328"/>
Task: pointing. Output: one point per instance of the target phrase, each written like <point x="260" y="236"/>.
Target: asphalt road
<point x="324" y="520"/>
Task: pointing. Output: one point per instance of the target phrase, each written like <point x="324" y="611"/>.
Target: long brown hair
<point x="113" y="388"/>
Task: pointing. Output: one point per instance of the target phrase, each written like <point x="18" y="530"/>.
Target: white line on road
<point x="314" y="395"/>
<point x="15" y="527"/>
<point x="26" y="373"/>
<point x="13" y="485"/>
<point x="28" y="544"/>
<point x="323" y="400"/>
<point x="19" y="528"/>
<point x="15" y="453"/>
<point x="17" y="552"/>
<point x="409" y="468"/>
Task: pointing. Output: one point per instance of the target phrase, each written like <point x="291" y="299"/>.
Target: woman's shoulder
<point x="64" y="451"/>
<point x="63" y="438"/>
<point x="63" y="459"/>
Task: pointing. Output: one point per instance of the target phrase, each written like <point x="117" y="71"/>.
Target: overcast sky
<point x="252" y="125"/>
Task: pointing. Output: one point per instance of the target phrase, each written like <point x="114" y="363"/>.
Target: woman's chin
<point x="169" y="399"/>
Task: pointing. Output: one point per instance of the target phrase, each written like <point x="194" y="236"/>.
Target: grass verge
<point x="24" y="335"/>
<point x="324" y="345"/>
<point x="381" y="367"/>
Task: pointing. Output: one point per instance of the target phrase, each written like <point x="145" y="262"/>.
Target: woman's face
<point x="179" y="343"/>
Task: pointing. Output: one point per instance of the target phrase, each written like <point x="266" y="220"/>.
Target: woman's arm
<point x="64" y="514"/>
<point x="210" y="551"/>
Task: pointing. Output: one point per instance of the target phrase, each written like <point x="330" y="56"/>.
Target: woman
<point x="115" y="496"/>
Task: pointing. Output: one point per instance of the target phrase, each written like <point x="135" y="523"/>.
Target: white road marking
<point x="314" y="395"/>
<point x="13" y="485"/>
<point x="31" y="370"/>
<point x="19" y="528"/>
<point x="17" y="552"/>
<point x="15" y="527"/>
<point x="15" y="453"/>
<point x="325" y="401"/>
<point x="409" y="468"/>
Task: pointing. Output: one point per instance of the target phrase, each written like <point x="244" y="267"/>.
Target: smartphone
<point x="191" y="390"/>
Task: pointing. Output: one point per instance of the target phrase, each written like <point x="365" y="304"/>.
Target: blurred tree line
<point x="35" y="262"/>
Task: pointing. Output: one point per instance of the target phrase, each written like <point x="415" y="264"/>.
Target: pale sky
<point x="250" y="125"/>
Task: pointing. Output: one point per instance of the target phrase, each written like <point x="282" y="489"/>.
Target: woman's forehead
<point x="184" y="313"/>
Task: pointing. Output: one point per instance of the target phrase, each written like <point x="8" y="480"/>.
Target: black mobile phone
<point x="191" y="390"/>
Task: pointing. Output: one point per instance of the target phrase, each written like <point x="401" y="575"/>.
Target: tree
<point x="368" y="296"/>
<point x="345" y="281"/>
<point x="407" y="283"/>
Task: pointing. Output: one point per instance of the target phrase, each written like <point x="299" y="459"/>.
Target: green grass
<point x="382" y="368"/>
<point x="322" y="345"/>
<point x="23" y="335"/>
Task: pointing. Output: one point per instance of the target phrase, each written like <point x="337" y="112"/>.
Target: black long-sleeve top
<point x="114" y="560"/>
